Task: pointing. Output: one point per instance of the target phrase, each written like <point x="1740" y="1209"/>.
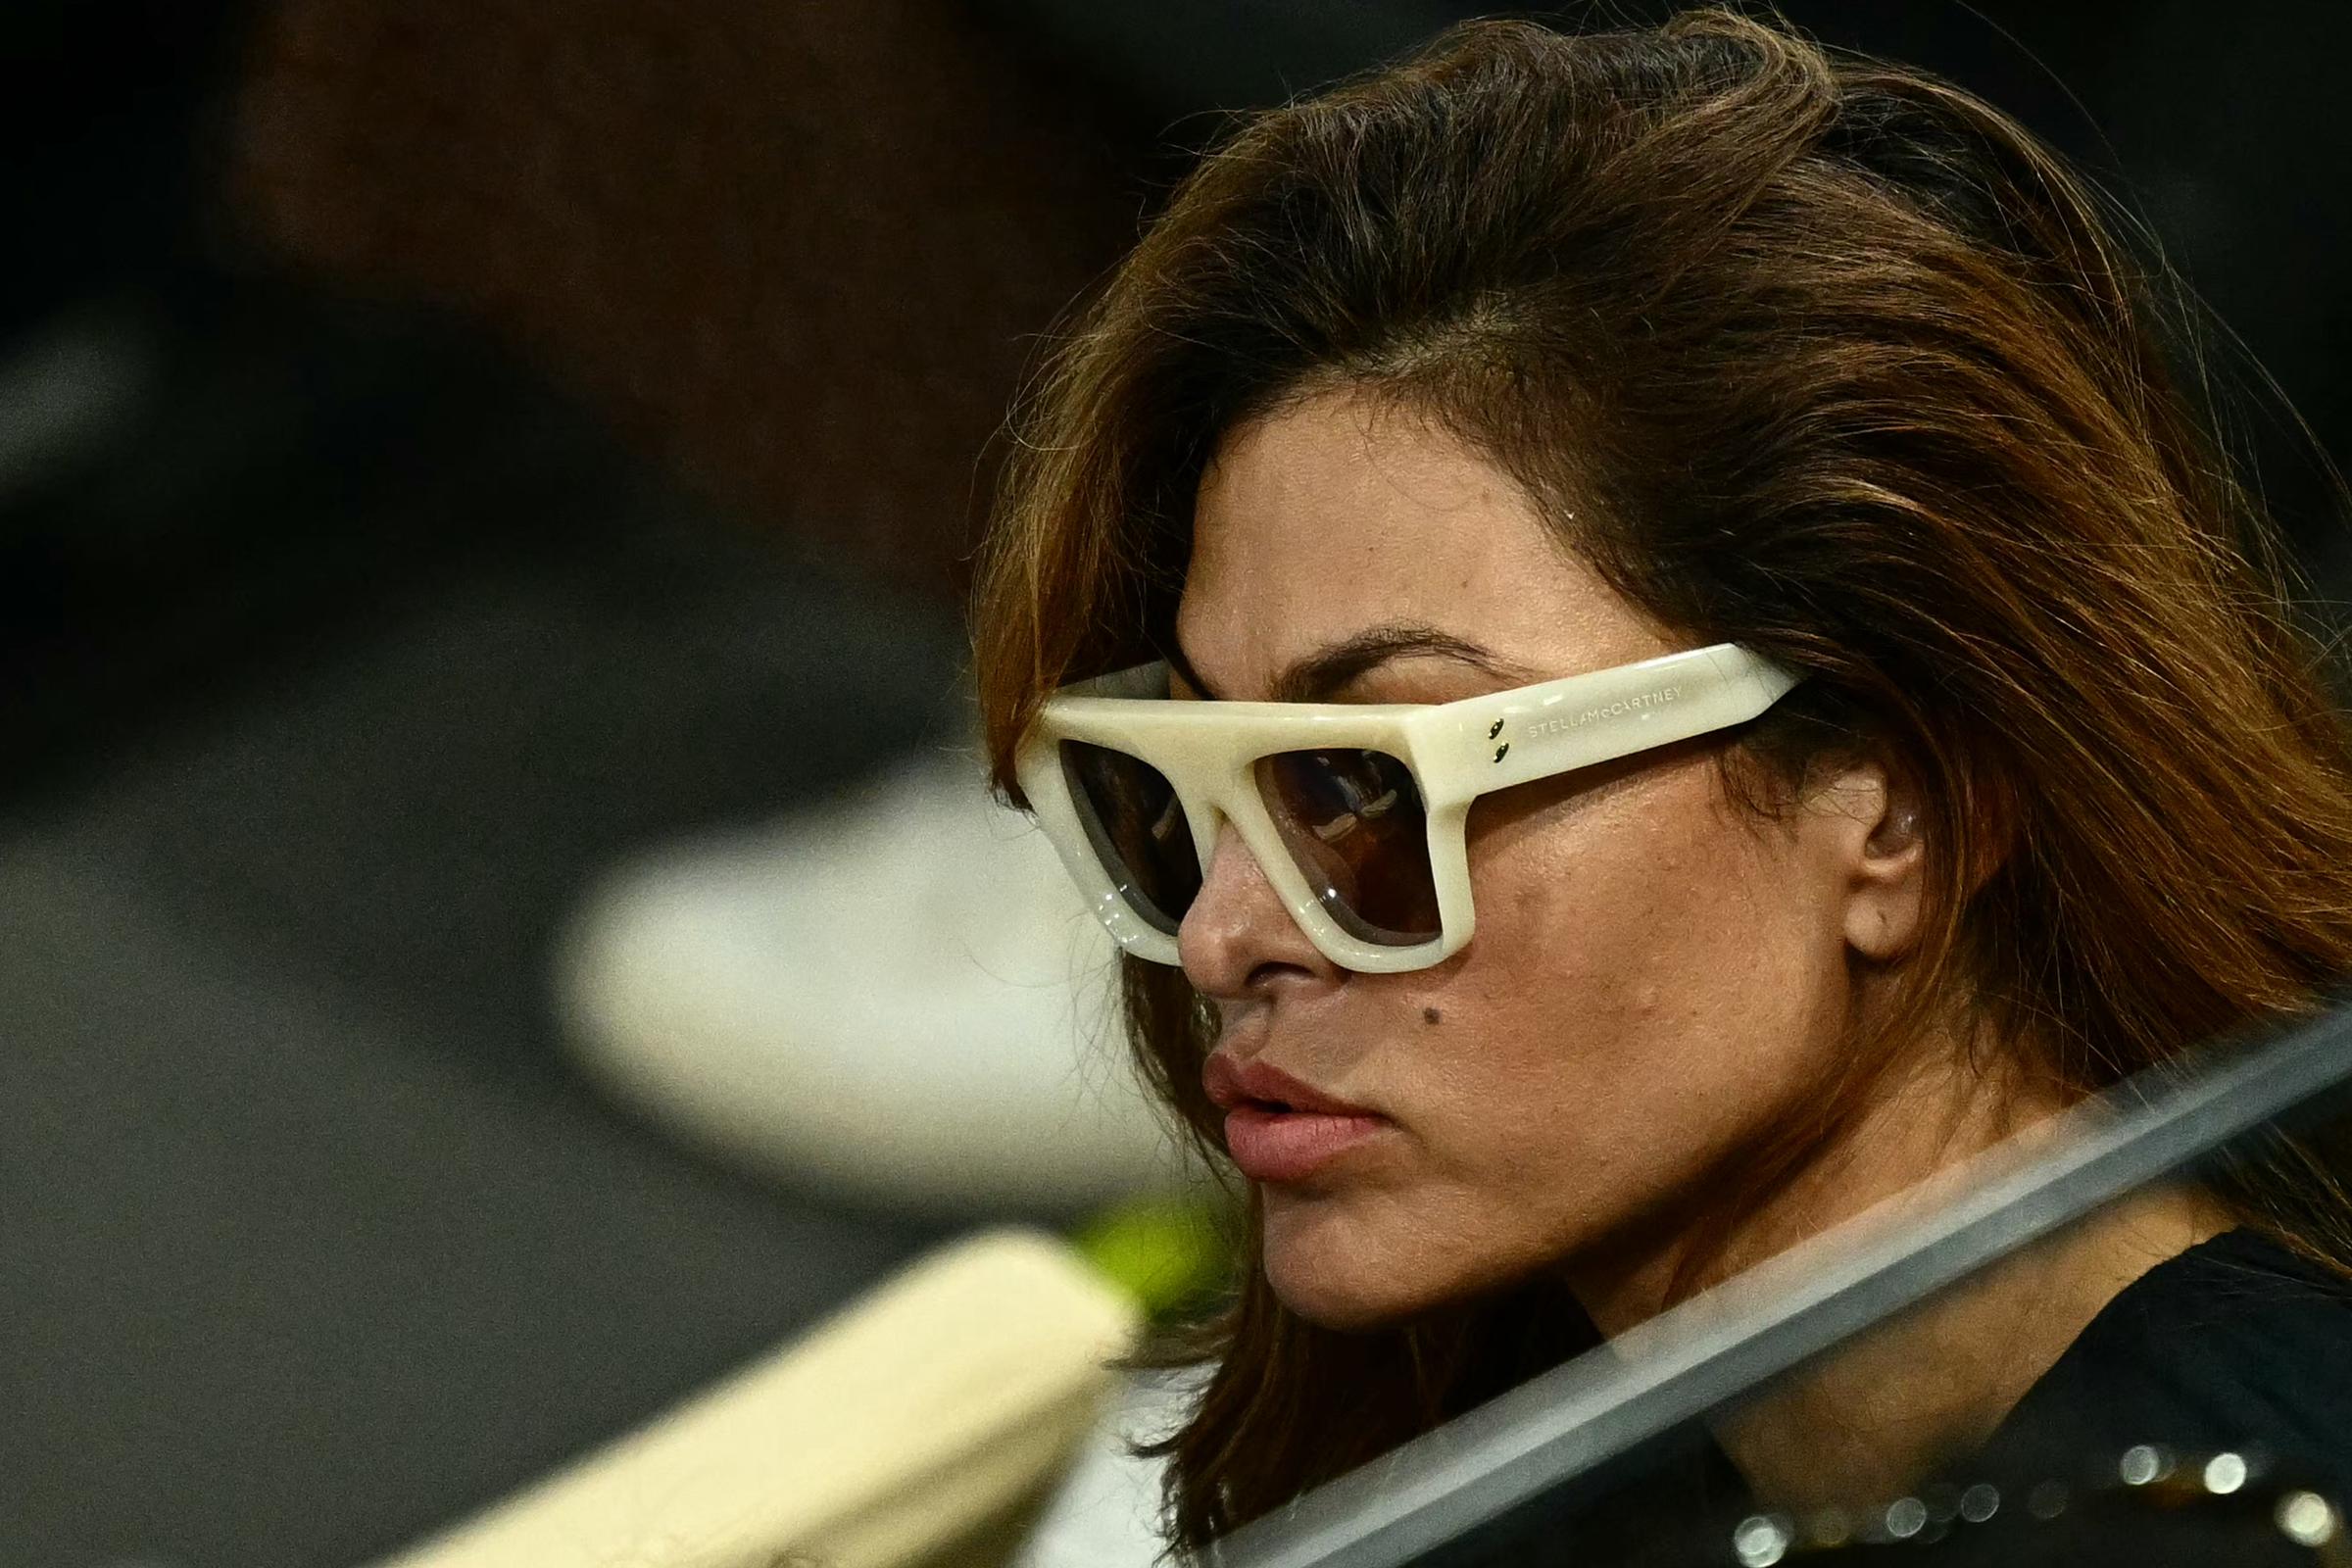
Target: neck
<point x="1868" y="1421"/>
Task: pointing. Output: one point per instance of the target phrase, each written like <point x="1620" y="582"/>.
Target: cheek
<point x="1650" y="990"/>
<point x="1657" y="959"/>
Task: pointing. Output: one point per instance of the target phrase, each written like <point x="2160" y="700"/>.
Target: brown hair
<point x="1829" y="359"/>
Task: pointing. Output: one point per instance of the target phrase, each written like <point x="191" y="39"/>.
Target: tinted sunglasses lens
<point x="1356" y="826"/>
<point x="1137" y="829"/>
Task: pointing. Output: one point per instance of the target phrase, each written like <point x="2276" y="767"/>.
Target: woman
<point x="1898" y="732"/>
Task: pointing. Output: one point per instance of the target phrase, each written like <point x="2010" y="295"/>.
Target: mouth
<point x="1280" y="1129"/>
<point x="1235" y="1084"/>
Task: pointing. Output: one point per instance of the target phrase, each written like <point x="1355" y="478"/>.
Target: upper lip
<point x="1233" y="1084"/>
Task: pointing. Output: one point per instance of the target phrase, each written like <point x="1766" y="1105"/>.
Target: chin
<point x="1337" y="1272"/>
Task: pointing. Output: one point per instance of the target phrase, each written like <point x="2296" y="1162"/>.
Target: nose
<point x="1238" y="939"/>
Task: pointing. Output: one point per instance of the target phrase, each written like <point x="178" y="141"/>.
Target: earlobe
<point x="1886" y="875"/>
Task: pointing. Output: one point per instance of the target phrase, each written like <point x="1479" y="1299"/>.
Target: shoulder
<point x="2237" y="1344"/>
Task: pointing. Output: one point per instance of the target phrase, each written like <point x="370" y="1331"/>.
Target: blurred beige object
<point x="907" y="1424"/>
<point x="899" y="994"/>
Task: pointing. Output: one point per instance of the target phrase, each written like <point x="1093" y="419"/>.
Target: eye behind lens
<point x="1137" y="829"/>
<point x="1356" y="828"/>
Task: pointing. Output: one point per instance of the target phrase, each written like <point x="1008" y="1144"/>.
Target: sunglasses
<point x="1356" y="812"/>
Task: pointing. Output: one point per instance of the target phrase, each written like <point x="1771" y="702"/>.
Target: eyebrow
<point x="1330" y="669"/>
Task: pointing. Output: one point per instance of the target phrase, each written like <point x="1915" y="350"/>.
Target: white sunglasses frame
<point x="1455" y="752"/>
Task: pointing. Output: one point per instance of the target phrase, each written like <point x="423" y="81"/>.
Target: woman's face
<point x="1657" y="980"/>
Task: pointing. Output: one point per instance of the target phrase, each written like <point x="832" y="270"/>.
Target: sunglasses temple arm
<point x="1517" y="737"/>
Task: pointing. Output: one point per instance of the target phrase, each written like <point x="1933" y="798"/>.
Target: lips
<point x="1279" y="1128"/>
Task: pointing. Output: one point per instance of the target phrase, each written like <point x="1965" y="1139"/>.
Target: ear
<point x="1882" y="853"/>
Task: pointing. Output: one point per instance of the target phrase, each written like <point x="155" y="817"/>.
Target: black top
<point x="2234" y="1346"/>
<point x="2237" y="1344"/>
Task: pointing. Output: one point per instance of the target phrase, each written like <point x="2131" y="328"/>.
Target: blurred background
<point x="485" y="491"/>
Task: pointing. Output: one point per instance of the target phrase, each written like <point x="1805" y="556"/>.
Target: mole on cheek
<point x="1430" y="1015"/>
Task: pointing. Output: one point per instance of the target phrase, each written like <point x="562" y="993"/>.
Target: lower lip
<point x="1291" y="1146"/>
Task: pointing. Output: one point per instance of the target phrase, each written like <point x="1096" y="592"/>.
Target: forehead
<point x="1342" y="511"/>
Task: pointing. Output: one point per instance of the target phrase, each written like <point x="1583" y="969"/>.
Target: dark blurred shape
<point x="100" y="116"/>
<point x="343" y="652"/>
<point x="804" y="251"/>
<point x="211" y="474"/>
<point x="294" y="1274"/>
<point x="1178" y="69"/>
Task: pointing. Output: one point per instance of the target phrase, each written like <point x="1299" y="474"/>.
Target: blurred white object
<point x="1105" y="1513"/>
<point x="912" y="1419"/>
<point x="900" y="993"/>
